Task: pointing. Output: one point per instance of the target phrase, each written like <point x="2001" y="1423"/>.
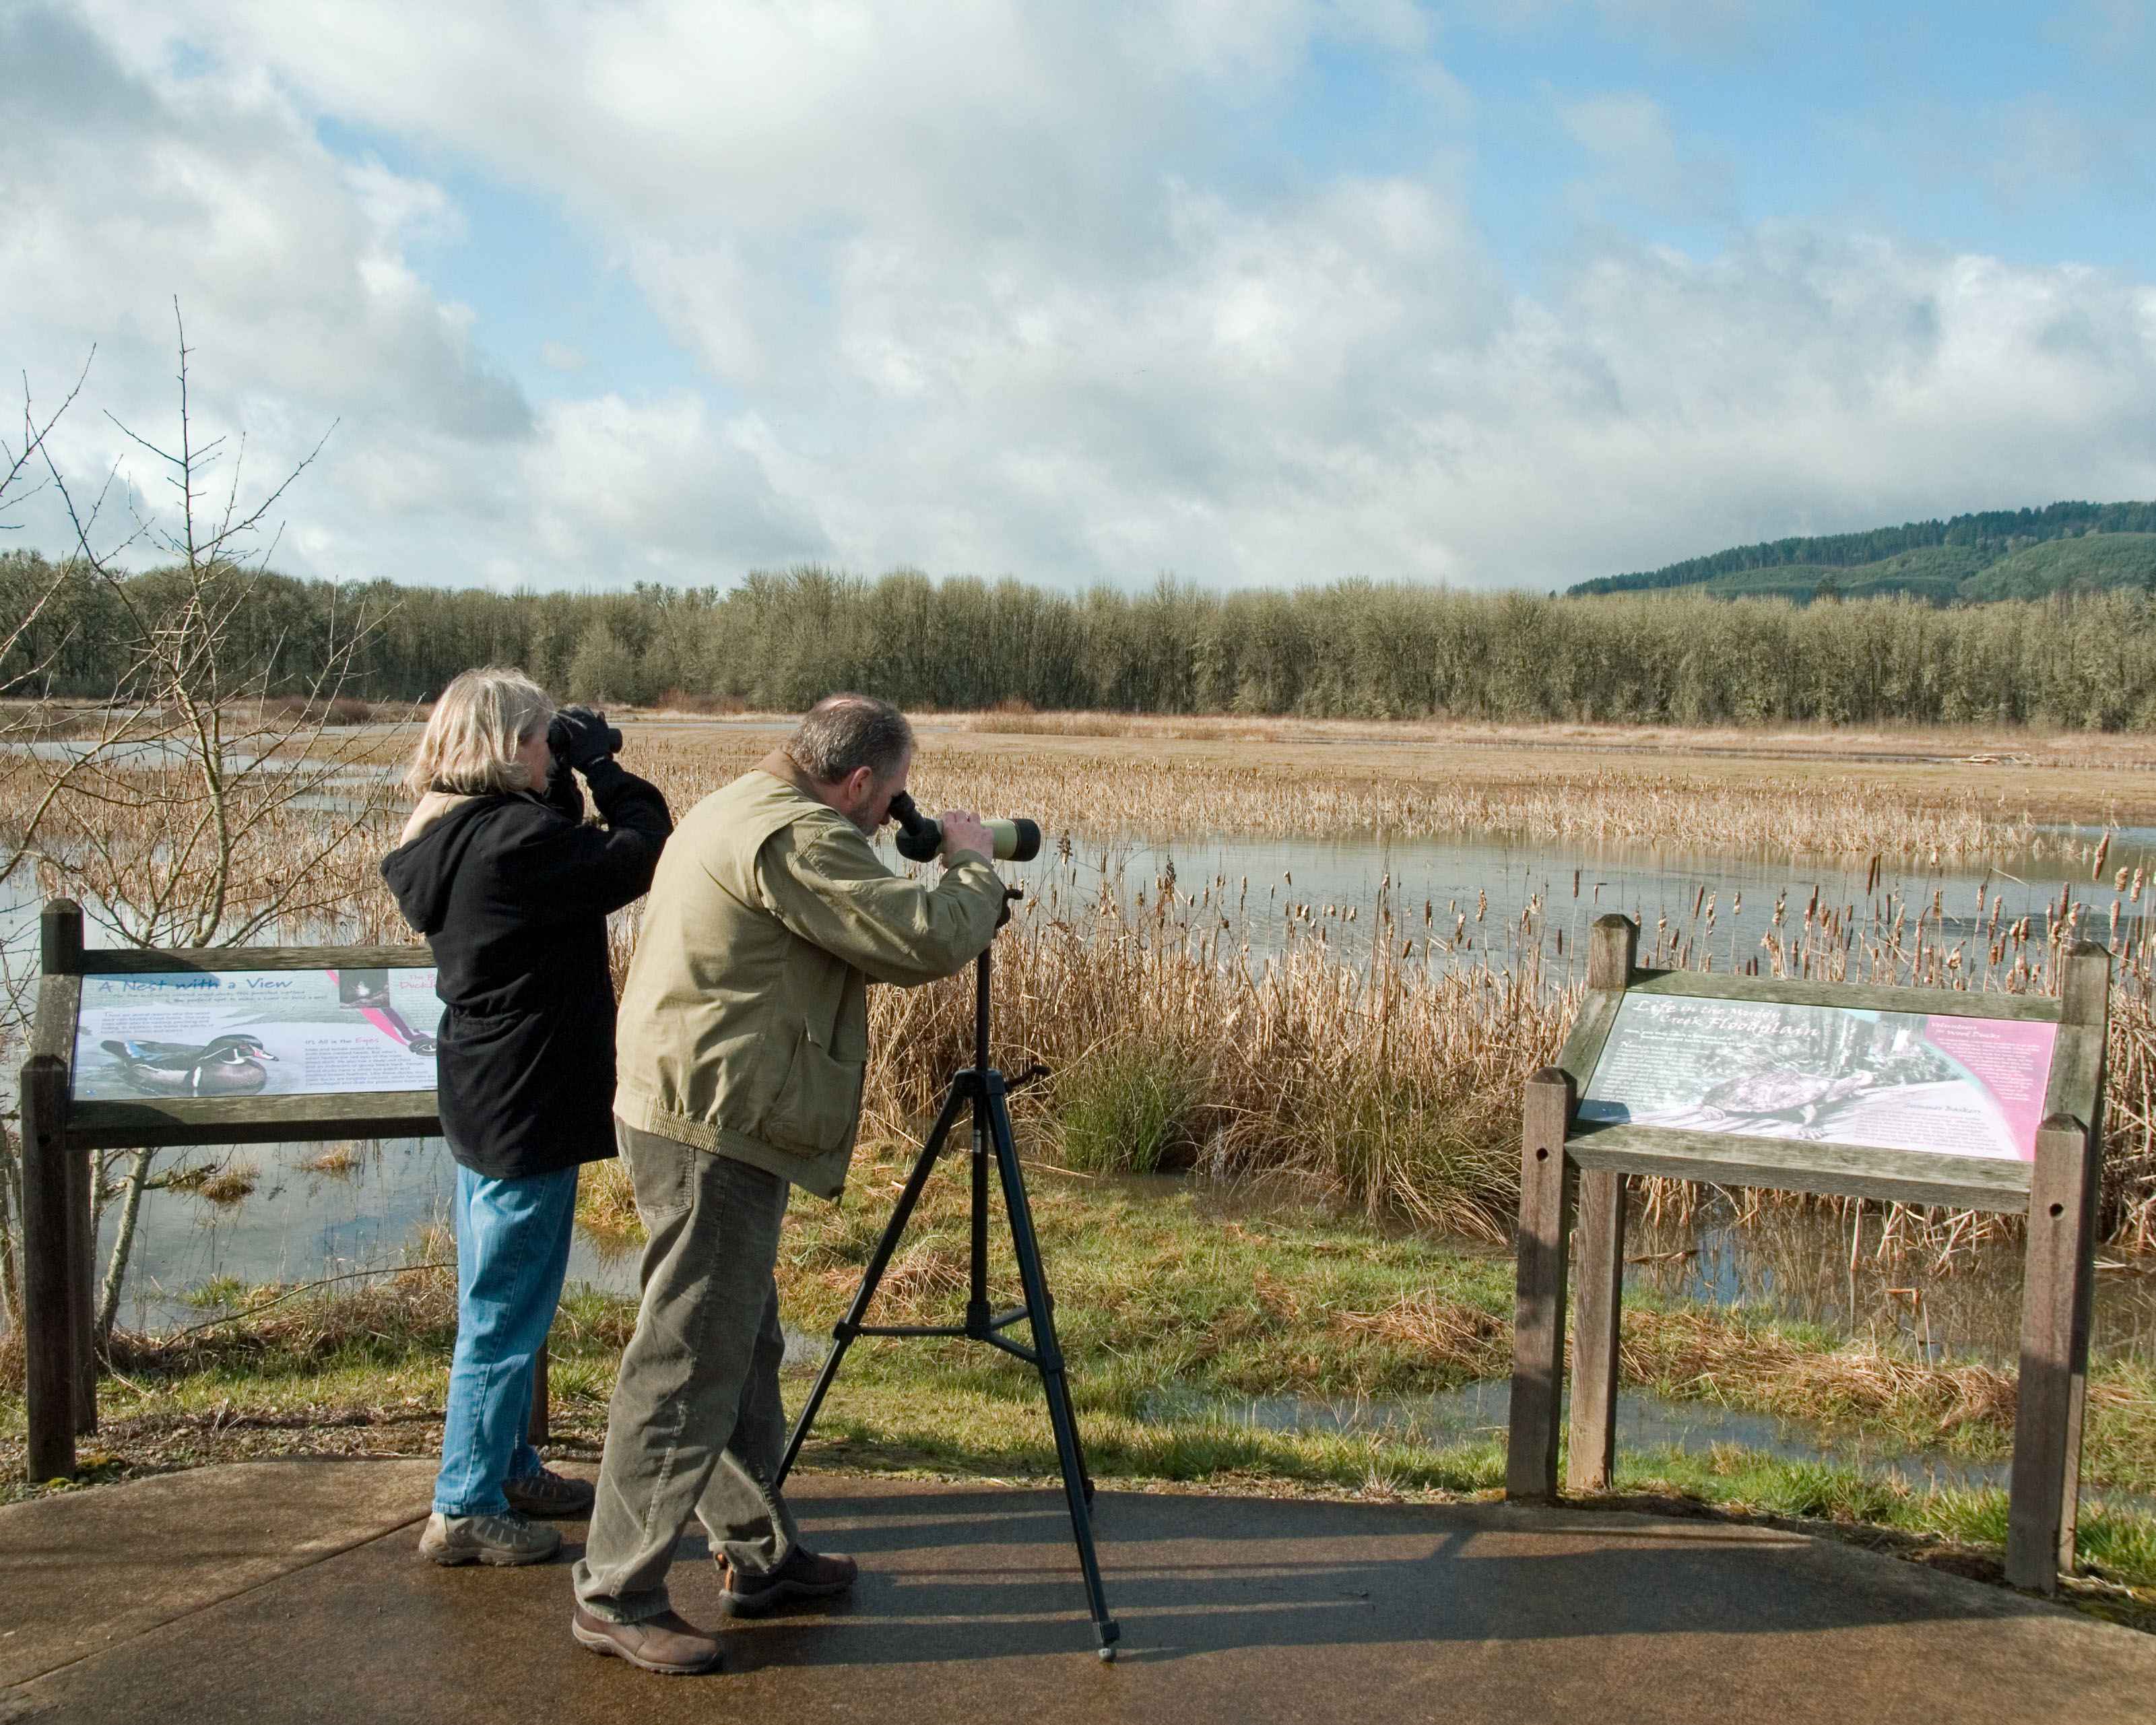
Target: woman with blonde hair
<point x="499" y="870"/>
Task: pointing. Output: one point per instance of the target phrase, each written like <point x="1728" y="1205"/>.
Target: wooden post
<point x="1613" y="953"/>
<point x="1538" y="1299"/>
<point x="1592" y="1455"/>
<point x="1599" y="1242"/>
<point x="2046" y="1427"/>
<point x="536" y="1430"/>
<point x="2084" y="999"/>
<point x="48" y="1328"/>
<point x="82" y="1275"/>
<point x="60" y="937"/>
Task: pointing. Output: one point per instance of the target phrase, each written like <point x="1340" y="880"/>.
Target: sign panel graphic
<point x="250" y="1033"/>
<point x="1897" y="1080"/>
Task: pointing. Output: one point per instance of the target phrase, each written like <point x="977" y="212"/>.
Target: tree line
<point x="1352" y="649"/>
<point x="1995" y="532"/>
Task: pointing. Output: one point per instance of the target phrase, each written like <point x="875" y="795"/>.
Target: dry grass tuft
<point x="417" y="1306"/>
<point x="606" y="1202"/>
<point x="225" y="1184"/>
<point x="1721" y="1356"/>
<point x="924" y="1280"/>
<point x="1446" y="1333"/>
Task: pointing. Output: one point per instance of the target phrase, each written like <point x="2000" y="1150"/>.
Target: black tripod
<point x="984" y="1087"/>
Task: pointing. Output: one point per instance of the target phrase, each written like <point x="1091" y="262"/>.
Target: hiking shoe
<point x="804" y="1575"/>
<point x="664" y="1644"/>
<point x="486" y="1539"/>
<point x="549" y="1495"/>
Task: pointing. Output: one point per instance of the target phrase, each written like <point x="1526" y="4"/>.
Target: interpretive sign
<point x="255" y="1033"/>
<point x="1982" y="1099"/>
<point x="1895" y="1081"/>
<point x="142" y="1048"/>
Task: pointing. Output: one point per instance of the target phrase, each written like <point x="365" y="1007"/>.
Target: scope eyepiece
<point x="920" y="836"/>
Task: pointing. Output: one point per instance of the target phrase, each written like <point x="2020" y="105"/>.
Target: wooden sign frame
<point x="1575" y="1171"/>
<point x="59" y="1131"/>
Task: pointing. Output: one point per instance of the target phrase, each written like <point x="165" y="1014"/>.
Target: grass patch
<point x="2115" y="1545"/>
<point x="1159" y="1287"/>
<point x="1126" y="1110"/>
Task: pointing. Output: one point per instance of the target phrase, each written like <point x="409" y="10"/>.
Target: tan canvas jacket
<point x="744" y="1023"/>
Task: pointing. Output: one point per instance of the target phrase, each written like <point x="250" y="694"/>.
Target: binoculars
<point x="558" y="737"/>
<point x="920" y="836"/>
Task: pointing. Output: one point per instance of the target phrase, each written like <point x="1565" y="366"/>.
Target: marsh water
<point x="1810" y="1265"/>
<point x="1489" y="900"/>
<point x="1480" y="901"/>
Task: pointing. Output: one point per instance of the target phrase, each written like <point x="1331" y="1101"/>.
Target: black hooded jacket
<point x="513" y="893"/>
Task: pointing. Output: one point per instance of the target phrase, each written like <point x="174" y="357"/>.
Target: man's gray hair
<point x="844" y="732"/>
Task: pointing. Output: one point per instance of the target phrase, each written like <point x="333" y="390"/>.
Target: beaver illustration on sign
<point x="229" y="1066"/>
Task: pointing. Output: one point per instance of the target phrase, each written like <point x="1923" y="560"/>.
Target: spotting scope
<point x="920" y="836"/>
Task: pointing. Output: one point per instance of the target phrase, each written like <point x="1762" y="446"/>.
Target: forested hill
<point x="1998" y="554"/>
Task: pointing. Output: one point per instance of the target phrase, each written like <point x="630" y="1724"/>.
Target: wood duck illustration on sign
<point x="228" y="1065"/>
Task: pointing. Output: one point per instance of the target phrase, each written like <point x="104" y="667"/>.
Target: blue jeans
<point x="512" y="1252"/>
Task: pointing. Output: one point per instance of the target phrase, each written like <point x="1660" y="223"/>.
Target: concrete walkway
<point x="280" y="1591"/>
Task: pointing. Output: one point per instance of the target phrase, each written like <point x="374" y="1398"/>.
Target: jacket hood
<point x="425" y="862"/>
<point x="430" y="809"/>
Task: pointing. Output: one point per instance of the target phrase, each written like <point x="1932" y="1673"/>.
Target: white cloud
<point x="287" y="263"/>
<point x="1636" y="157"/>
<point x="969" y="287"/>
<point x="626" y="492"/>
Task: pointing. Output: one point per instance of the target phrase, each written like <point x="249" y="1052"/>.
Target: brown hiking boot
<point x="549" y="1495"/>
<point x="664" y="1644"/>
<point x="804" y="1575"/>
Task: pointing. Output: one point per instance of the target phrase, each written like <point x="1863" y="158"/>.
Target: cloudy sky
<point x="1500" y="293"/>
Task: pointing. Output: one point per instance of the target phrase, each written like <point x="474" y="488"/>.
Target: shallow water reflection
<point x="1488" y="901"/>
<point x="1645" y="1422"/>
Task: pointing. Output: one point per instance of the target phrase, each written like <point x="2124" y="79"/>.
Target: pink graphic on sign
<point x="2010" y="1059"/>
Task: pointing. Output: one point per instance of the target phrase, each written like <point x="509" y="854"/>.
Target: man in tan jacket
<point x="742" y="1040"/>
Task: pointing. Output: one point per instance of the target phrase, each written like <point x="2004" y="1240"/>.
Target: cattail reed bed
<point x="1378" y="1058"/>
<point x="1165" y="786"/>
<point x="1392" y="1083"/>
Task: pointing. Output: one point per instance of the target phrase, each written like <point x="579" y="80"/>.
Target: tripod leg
<point x="964" y="1085"/>
<point x="1076" y="1488"/>
<point x="977" y="1312"/>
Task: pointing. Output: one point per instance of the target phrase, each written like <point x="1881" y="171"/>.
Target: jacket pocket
<point x="819" y="1102"/>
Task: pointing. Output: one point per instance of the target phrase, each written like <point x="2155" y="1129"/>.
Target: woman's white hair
<point x="470" y="745"/>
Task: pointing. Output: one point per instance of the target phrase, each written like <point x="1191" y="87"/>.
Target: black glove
<point x="581" y="737"/>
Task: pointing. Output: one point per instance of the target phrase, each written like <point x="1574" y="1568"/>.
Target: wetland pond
<point x="1489" y="903"/>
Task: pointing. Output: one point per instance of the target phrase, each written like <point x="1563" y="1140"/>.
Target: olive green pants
<point x="696" y="1427"/>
